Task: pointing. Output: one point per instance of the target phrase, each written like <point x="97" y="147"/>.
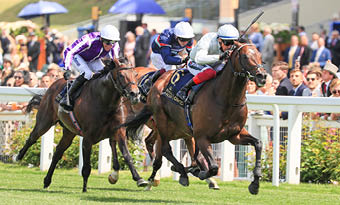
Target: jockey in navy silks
<point x="167" y="45"/>
<point x="85" y="56"/>
<point x="207" y="56"/>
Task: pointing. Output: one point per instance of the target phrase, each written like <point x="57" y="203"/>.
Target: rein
<point x="118" y="85"/>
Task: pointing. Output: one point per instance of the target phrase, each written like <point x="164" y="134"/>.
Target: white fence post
<point x="105" y="156"/>
<point x="176" y="150"/>
<point x="294" y="145"/>
<point x="276" y="146"/>
<point x="80" y="162"/>
<point x="227" y="161"/>
<point x="46" y="152"/>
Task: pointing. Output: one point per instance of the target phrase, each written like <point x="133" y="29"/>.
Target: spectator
<point x="334" y="47"/>
<point x="267" y="89"/>
<point x="268" y="49"/>
<point x="335" y="90"/>
<point x="314" y="43"/>
<point x="21" y="79"/>
<point x="296" y="79"/>
<point x="33" y="51"/>
<point x="305" y="51"/>
<point x="301" y="31"/>
<point x="280" y="71"/>
<point x="322" y="54"/>
<point x="129" y="47"/>
<point x="313" y="83"/>
<point x="53" y="70"/>
<point x="292" y="52"/>
<point x="45" y="81"/>
<point x="7" y="71"/>
<point x="255" y="36"/>
<point x="34" y="82"/>
<point x="141" y="48"/>
<point x="328" y="75"/>
<point x="10" y="82"/>
<point x="5" y="42"/>
<point x="251" y="87"/>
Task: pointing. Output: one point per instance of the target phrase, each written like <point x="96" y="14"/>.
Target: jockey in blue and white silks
<point x="85" y="56"/>
<point x="167" y="45"/>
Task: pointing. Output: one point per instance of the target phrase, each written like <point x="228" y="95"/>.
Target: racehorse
<point x="219" y="112"/>
<point x="97" y="112"/>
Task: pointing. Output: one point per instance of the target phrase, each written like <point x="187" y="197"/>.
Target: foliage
<point x="70" y="156"/>
<point x="281" y="32"/>
<point x="320" y="156"/>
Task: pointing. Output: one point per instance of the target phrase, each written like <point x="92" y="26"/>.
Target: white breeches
<point x="158" y="62"/>
<point x="89" y="68"/>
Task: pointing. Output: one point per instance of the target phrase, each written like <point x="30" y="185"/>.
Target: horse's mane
<point x="116" y="63"/>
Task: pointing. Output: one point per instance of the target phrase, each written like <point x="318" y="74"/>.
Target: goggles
<point x="228" y="42"/>
<point x="108" y="42"/>
<point x="184" y="39"/>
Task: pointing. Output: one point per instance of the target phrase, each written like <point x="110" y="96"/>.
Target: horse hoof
<point x="214" y="186"/>
<point x="253" y="188"/>
<point x="113" y="177"/>
<point x="156" y="182"/>
<point x="202" y="175"/>
<point x="142" y="183"/>
<point x="148" y="187"/>
<point x="47" y="183"/>
<point x="84" y="190"/>
<point x="184" y="181"/>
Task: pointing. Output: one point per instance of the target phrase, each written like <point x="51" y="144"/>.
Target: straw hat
<point x="330" y="67"/>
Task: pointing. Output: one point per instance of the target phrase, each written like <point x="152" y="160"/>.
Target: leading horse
<point x="219" y="112"/>
<point x="97" y="112"/>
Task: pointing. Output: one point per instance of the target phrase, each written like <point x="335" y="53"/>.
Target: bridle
<point x="120" y="87"/>
<point x="244" y="73"/>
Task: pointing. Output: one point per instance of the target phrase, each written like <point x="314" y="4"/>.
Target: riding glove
<point x="67" y="75"/>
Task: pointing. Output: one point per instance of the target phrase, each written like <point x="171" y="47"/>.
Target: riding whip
<point x="253" y="21"/>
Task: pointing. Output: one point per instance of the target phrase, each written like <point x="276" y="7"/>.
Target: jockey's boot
<point x="183" y="92"/>
<point x="147" y="85"/>
<point x="78" y="82"/>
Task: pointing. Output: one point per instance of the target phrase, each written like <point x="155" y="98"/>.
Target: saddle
<point x="144" y="90"/>
<point x="65" y="89"/>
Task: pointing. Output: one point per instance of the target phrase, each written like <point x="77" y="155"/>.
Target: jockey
<point x="85" y="55"/>
<point x="209" y="52"/>
<point x="167" y="45"/>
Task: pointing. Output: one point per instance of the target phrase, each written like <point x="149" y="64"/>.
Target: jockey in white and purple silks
<point x="85" y="56"/>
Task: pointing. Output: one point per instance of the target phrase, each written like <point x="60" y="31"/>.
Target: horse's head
<point x="247" y="60"/>
<point x="125" y="79"/>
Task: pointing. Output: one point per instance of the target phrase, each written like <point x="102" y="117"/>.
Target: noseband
<point x="119" y="86"/>
<point x="244" y="73"/>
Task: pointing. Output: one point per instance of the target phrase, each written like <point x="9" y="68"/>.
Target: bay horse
<point x="219" y="112"/>
<point x="98" y="110"/>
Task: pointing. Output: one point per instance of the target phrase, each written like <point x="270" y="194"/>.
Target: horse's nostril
<point x="132" y="94"/>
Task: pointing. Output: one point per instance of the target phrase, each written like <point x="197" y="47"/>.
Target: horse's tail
<point x="134" y="125"/>
<point x="34" y="102"/>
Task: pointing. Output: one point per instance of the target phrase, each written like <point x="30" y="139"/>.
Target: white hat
<point x="228" y="32"/>
<point x="110" y="32"/>
<point x="184" y="30"/>
<point x="330" y="67"/>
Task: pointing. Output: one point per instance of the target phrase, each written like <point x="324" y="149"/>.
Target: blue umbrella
<point x="136" y="7"/>
<point x="41" y="8"/>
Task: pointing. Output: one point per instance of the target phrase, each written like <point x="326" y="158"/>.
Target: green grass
<point x="79" y="10"/>
<point x="21" y="185"/>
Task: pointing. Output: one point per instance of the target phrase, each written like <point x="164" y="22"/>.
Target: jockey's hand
<point x="185" y="60"/>
<point x="67" y="75"/>
<point x="224" y="55"/>
<point x="96" y="75"/>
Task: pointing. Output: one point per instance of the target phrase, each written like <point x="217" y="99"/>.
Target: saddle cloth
<point x="142" y="81"/>
<point x="68" y="86"/>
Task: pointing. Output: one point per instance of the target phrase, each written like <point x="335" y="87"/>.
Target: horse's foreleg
<point x="149" y="143"/>
<point x="87" y="148"/>
<point x="113" y="177"/>
<point x="167" y="153"/>
<point x="157" y="163"/>
<point x="244" y="138"/>
<point x="64" y="143"/>
<point x="206" y="150"/>
<point x="122" y="143"/>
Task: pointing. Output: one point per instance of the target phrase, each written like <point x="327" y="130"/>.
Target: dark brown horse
<point x="219" y="112"/>
<point x="97" y="110"/>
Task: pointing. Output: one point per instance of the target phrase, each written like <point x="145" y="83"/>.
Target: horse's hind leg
<point x="64" y="143"/>
<point x="43" y="123"/>
<point x="244" y="138"/>
<point x="122" y="143"/>
<point x="157" y="163"/>
<point x="207" y="152"/>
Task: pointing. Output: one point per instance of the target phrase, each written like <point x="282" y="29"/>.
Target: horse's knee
<point x="258" y="144"/>
<point x="86" y="171"/>
<point x="213" y="171"/>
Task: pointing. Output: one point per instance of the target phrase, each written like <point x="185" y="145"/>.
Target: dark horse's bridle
<point x="244" y="72"/>
<point x="121" y="88"/>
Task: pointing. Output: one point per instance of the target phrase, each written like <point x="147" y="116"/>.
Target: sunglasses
<point x="335" y="92"/>
<point x="310" y="79"/>
<point x="184" y="39"/>
<point x="108" y="42"/>
<point x="17" y="77"/>
<point x="228" y="42"/>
